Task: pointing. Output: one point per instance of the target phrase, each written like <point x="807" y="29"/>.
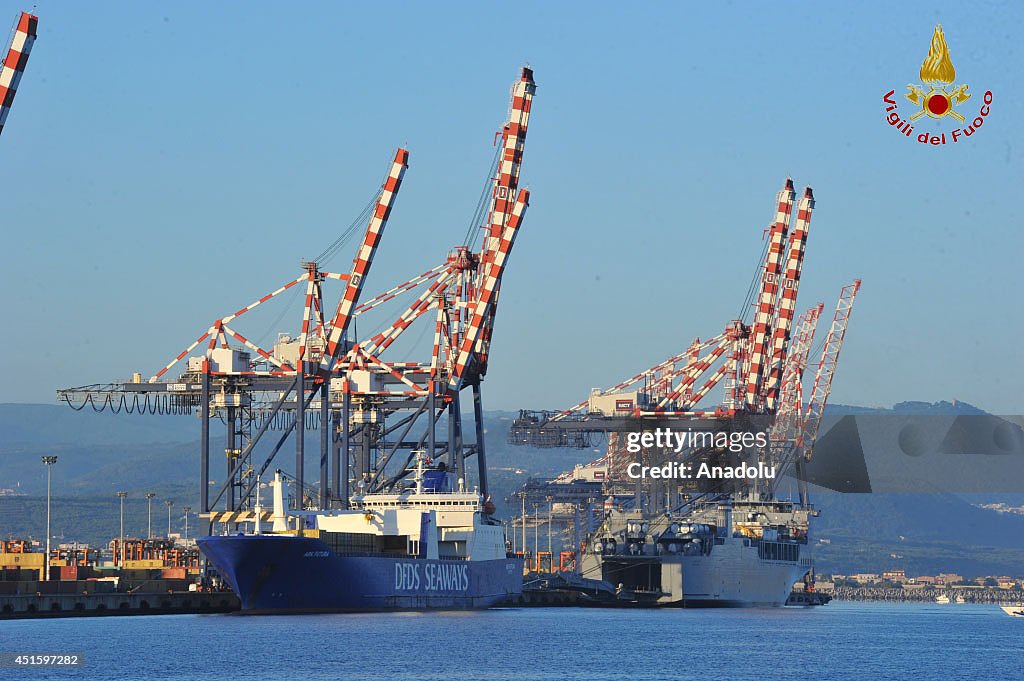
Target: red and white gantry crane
<point x="364" y="402"/>
<point x="758" y="370"/>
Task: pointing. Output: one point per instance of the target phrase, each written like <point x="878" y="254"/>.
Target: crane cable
<point x="150" y="404"/>
<point x="754" y="284"/>
<point x="473" y="231"/>
<point x="335" y="246"/>
<point x="332" y="250"/>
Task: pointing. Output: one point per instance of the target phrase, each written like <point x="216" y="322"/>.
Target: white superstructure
<point x="427" y="520"/>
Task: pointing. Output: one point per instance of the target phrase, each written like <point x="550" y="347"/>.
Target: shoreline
<point x="983" y="595"/>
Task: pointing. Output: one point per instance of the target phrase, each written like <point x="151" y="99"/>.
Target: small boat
<point x="942" y="598"/>
<point x="1014" y="610"/>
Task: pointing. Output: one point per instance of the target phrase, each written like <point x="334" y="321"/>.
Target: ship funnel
<point x="279" y="519"/>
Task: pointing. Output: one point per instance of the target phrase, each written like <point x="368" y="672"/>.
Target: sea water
<point x="837" y="641"/>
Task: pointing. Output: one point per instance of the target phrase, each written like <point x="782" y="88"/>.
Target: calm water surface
<point x="838" y="641"/>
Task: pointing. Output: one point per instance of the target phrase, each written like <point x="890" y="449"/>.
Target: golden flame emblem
<point x="937" y="67"/>
<point x="937" y="72"/>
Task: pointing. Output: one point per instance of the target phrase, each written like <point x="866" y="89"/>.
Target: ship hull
<point x="733" y="576"/>
<point x="285" y="574"/>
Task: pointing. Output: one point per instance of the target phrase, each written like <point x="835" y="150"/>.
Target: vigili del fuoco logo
<point x="938" y="98"/>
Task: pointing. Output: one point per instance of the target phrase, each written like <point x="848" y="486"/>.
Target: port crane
<point x="758" y="369"/>
<point x="363" y="402"/>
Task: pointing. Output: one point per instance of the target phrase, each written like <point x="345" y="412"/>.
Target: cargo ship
<point x="428" y="546"/>
<point x="732" y="551"/>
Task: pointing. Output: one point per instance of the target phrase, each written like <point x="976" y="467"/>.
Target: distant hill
<point x="97" y="453"/>
<point x="922" y="533"/>
<point x="49" y="424"/>
<point x="941" y="408"/>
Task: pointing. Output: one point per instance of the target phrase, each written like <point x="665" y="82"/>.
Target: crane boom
<point x="827" y="366"/>
<point x="505" y="186"/>
<point x="513" y="135"/>
<point x="691" y="355"/>
<point x="760" y="333"/>
<point x="790" y="394"/>
<point x="786" y="307"/>
<point x="694" y="370"/>
<point x="15" y="61"/>
<point x="487" y="293"/>
<point x="787" y="429"/>
<point x="363" y="261"/>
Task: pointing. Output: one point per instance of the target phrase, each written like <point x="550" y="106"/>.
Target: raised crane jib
<point x="15" y="61"/>
<point x="362" y="263"/>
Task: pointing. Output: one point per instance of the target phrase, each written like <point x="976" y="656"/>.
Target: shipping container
<point x="72" y="572"/>
<point x="143" y="564"/>
<point x="33" y="560"/>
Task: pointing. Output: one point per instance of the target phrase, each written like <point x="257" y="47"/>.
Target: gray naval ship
<point x="731" y="551"/>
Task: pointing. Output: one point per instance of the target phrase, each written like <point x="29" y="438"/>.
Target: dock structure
<point x="32" y="600"/>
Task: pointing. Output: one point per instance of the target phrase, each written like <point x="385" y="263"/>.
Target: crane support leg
<point x="346" y="409"/>
<point x="455" y="452"/>
<point x="432" y="434"/>
<point x="204" y="444"/>
<point x="246" y="452"/>
<point x="270" y="458"/>
<point x="366" y="434"/>
<point x="481" y="457"/>
<point x="336" y="491"/>
<point x="325" y="440"/>
<point x="300" y="433"/>
<point x="229" y="447"/>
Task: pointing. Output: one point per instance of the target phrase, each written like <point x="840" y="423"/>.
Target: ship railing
<point x="375" y="554"/>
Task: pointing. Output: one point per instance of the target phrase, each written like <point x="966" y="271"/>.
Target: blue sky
<point x="166" y="164"/>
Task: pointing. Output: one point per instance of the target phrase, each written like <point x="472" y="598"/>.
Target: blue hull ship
<point x="422" y="548"/>
<point x="287" y="573"/>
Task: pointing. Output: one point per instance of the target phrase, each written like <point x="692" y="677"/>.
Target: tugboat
<point x="428" y="546"/>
